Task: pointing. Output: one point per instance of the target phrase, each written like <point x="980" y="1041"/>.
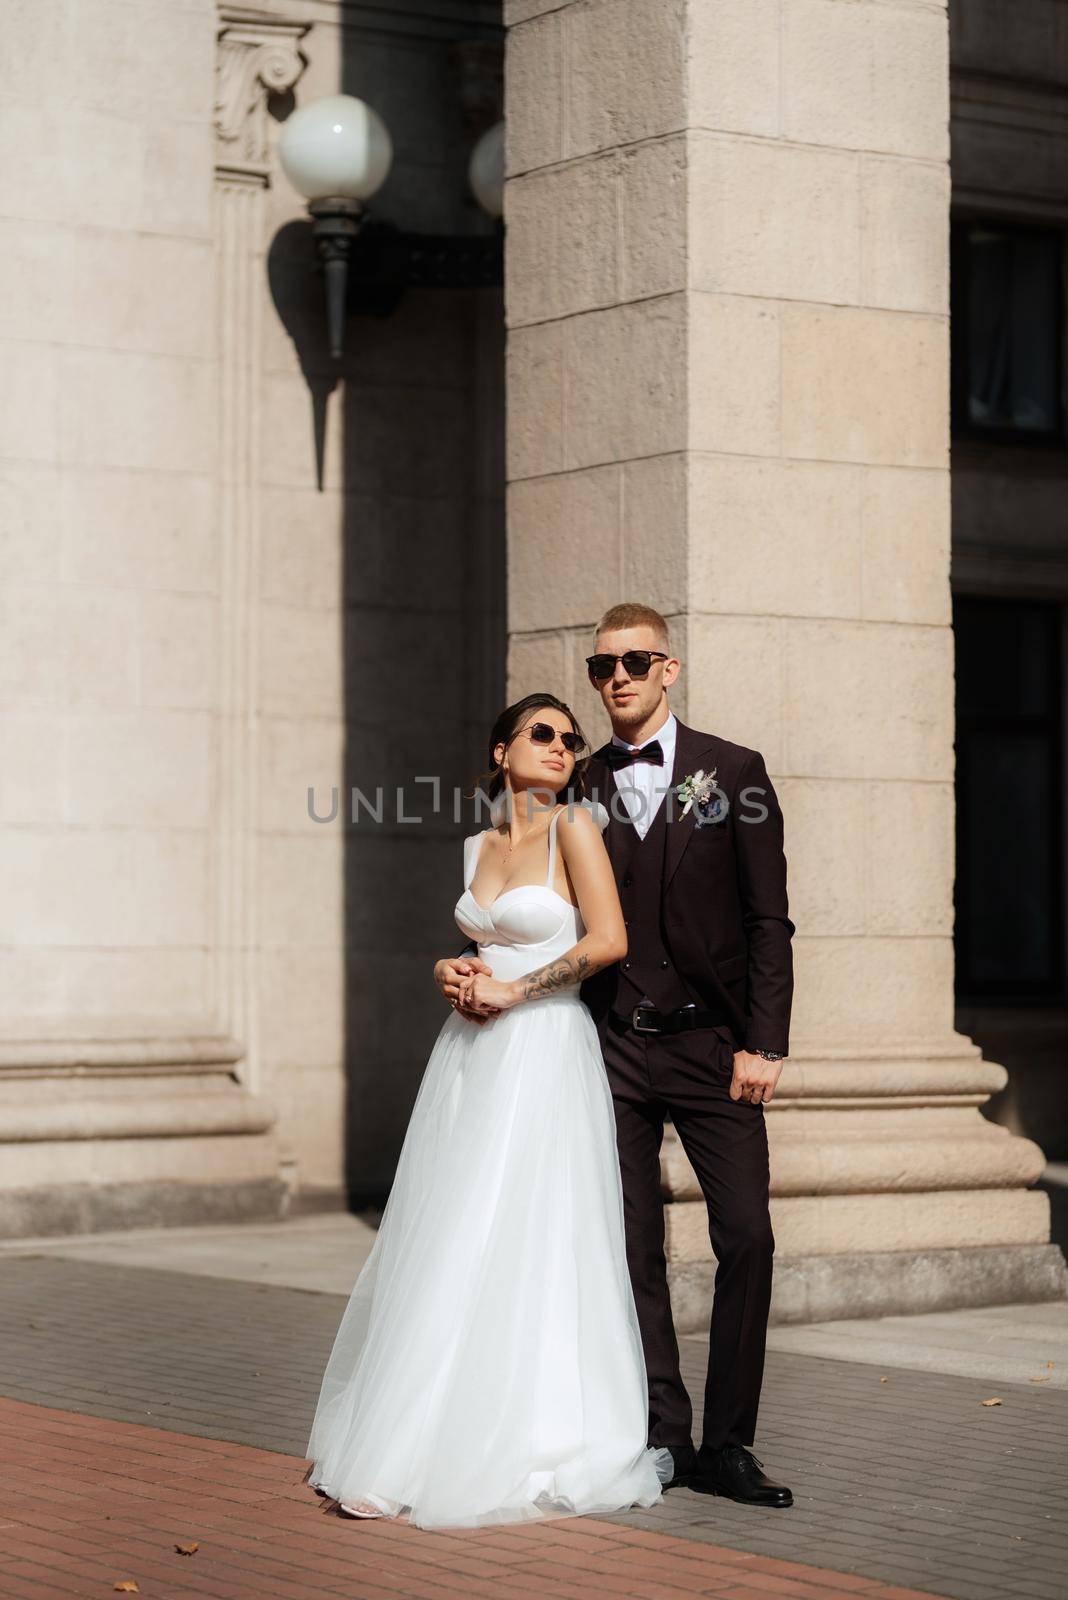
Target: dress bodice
<point x="527" y="926"/>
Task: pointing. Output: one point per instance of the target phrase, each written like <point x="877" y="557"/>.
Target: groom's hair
<point x="631" y="614"/>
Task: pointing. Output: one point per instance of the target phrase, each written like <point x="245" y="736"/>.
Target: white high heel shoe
<point x="369" y="1506"/>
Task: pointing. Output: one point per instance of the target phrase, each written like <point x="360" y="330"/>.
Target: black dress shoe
<point x="735" y="1472"/>
<point x="687" y="1469"/>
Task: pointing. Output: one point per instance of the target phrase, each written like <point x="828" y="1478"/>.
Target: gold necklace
<point x="519" y="841"/>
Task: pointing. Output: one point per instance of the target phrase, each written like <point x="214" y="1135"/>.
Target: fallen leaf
<point x="187" y="1549"/>
<point x="127" y="1586"/>
<point x="884" y="1380"/>
<point x="1044" y="1378"/>
<point x="994" y="1402"/>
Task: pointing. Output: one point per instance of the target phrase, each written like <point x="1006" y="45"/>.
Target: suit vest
<point x="647" y="971"/>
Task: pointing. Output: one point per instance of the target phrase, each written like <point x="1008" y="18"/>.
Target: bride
<point x="488" y="1367"/>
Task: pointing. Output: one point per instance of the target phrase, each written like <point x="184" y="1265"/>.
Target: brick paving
<point x="91" y="1504"/>
<point x="911" y="1483"/>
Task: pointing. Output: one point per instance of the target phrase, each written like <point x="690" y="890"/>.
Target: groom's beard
<point x="627" y="717"/>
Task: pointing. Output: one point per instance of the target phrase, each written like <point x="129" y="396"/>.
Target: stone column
<point x="129" y="1082"/>
<point x="728" y="397"/>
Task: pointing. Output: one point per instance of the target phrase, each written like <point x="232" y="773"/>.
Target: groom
<point x="694" y="1026"/>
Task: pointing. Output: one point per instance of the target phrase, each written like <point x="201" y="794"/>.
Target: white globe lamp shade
<point x="485" y="172"/>
<point x="335" y="148"/>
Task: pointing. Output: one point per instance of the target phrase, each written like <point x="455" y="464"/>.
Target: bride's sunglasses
<point x="545" y="733"/>
<point x="636" y="664"/>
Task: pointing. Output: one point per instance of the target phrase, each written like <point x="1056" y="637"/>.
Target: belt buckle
<point x="634" y="1022"/>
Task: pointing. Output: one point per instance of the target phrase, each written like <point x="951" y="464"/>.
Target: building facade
<point x="1010" y="543"/>
<point x="717" y="379"/>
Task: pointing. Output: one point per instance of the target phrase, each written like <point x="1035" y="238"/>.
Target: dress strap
<point x="472" y="847"/>
<point x="550" y="876"/>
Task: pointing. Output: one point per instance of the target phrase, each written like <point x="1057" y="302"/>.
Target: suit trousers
<point x="686" y="1077"/>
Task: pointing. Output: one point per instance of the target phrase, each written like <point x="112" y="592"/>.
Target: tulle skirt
<point x="488" y="1367"/>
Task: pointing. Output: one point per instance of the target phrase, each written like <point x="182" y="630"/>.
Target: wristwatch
<point x="771" y="1055"/>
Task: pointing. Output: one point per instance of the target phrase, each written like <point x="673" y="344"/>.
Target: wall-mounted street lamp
<point x="337" y="152"/>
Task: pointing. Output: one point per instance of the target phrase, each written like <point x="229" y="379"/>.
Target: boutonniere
<point x="697" y="792"/>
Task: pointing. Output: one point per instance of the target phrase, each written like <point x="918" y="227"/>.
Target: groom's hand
<point x="754" y="1078"/>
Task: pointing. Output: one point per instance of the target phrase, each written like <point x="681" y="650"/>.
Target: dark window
<point x="1006" y="330"/>
<point x="1009" y="895"/>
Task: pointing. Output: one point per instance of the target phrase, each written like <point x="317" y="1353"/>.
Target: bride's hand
<point x="484" y="994"/>
<point x="450" y="972"/>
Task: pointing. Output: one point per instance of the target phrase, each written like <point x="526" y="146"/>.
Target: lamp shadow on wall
<point x="291" y="272"/>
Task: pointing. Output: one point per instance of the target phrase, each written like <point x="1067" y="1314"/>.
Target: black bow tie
<point x="616" y="756"/>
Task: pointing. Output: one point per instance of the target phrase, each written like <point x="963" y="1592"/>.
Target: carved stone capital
<point x="257" y="55"/>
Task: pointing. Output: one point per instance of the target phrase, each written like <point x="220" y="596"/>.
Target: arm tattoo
<point x="560" y="974"/>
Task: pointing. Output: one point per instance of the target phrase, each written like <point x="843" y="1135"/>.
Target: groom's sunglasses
<point x="545" y="733"/>
<point x="636" y="664"/>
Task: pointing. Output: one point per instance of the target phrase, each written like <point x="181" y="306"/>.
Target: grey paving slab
<point x="912" y="1482"/>
<point x="1021" y="1344"/>
<point x="165" y="1348"/>
<point x="323" y="1252"/>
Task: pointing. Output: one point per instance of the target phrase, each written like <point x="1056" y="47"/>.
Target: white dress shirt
<point x="643" y="785"/>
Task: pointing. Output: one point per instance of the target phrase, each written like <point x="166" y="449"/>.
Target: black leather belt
<point x="647" y="1019"/>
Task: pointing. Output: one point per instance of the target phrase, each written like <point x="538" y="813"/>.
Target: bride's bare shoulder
<point x="583" y="815"/>
<point x="579" y="820"/>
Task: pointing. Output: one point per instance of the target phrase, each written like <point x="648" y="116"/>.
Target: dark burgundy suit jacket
<point x="723" y="898"/>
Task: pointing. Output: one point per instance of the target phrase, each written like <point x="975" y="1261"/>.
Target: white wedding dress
<point x="488" y="1367"/>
